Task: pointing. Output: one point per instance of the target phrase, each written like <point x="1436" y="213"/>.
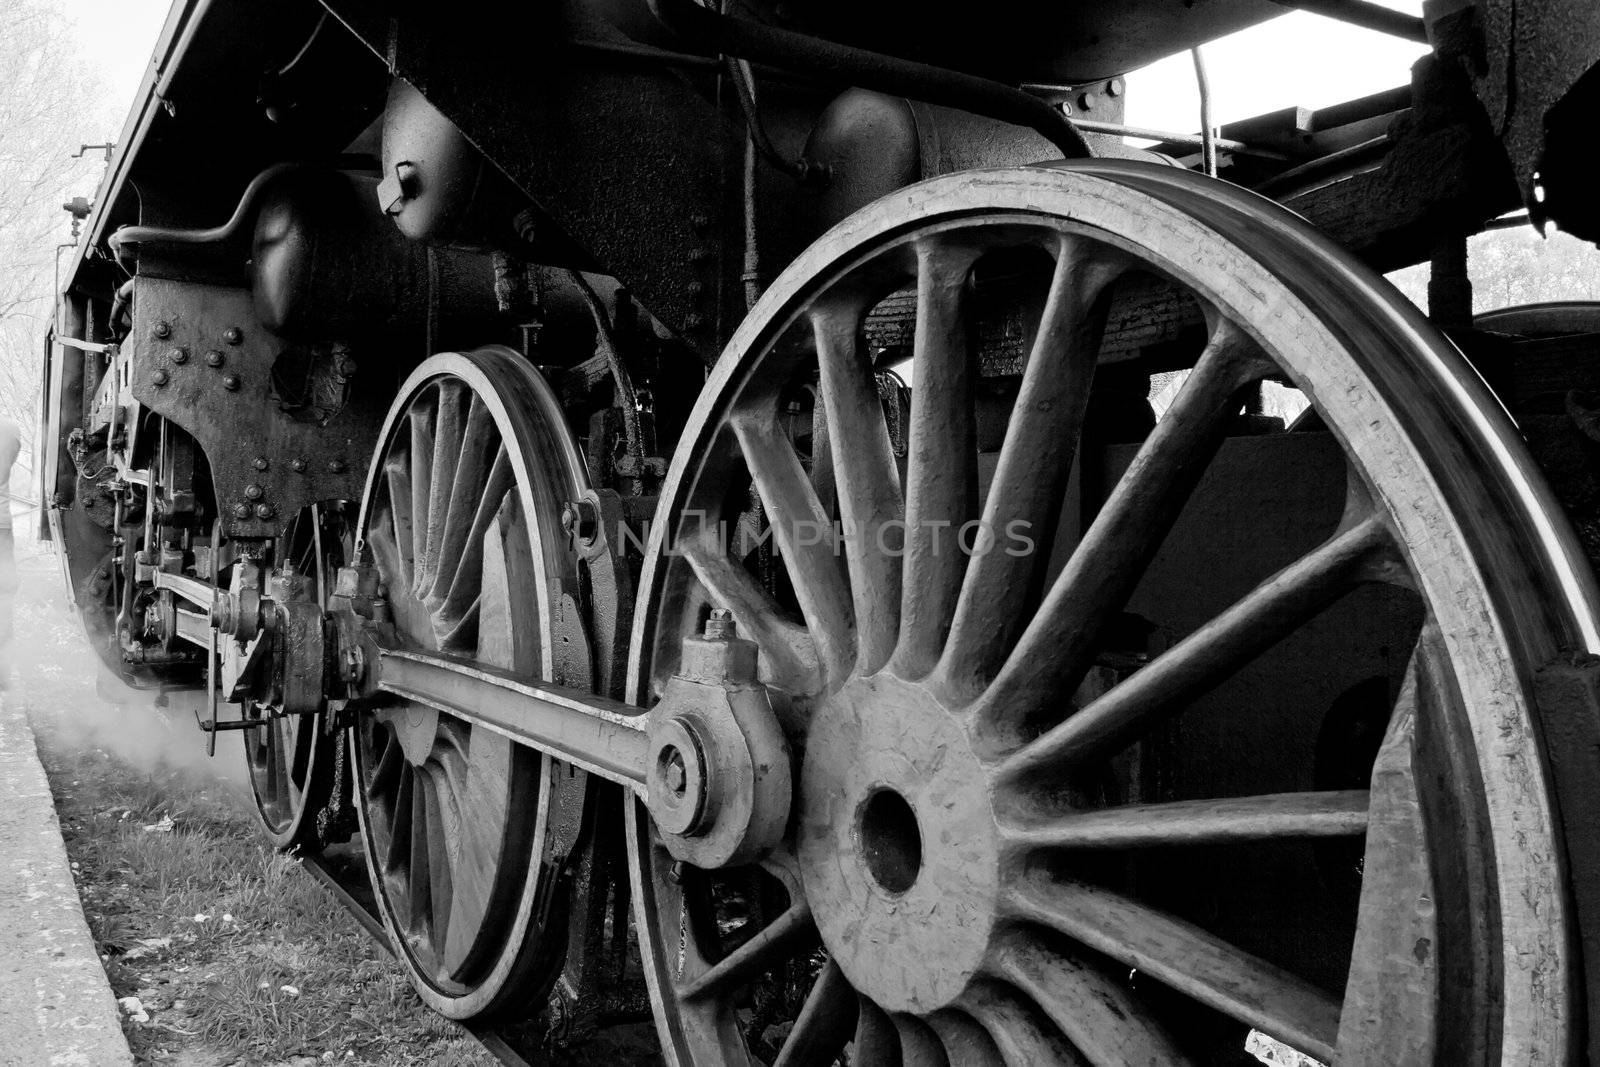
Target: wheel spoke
<point x="804" y="534"/>
<point x="919" y="1045"/>
<point x="965" y="1042"/>
<point x="447" y="437"/>
<point x="1186" y="958"/>
<point x="436" y="843"/>
<point x="420" y="423"/>
<point x="1023" y="1036"/>
<point x="788" y="653"/>
<point x="466" y="578"/>
<point x="867" y="480"/>
<point x="1199" y="822"/>
<point x="1058" y="645"/>
<point x="941" y="476"/>
<point x="1104" y="1022"/>
<point x="1031" y="476"/>
<point x="468" y="490"/>
<point x="419" y="869"/>
<point x="1259" y="620"/>
<point x="387" y="771"/>
<point x="825" y="1023"/>
<point x="399" y="844"/>
<point x="397" y="482"/>
<point x="1393" y="984"/>
<point x="877" y="1042"/>
<point x="790" y="933"/>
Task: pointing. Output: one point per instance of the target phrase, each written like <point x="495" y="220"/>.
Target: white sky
<point x="1299" y="58"/>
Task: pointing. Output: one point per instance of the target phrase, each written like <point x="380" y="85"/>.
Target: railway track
<point x="343" y="877"/>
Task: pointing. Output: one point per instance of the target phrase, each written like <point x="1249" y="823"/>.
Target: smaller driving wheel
<point x="466" y="832"/>
<point x="291" y="760"/>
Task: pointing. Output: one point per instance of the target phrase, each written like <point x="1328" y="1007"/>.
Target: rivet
<point x="159" y="378"/>
<point x="241" y="511"/>
<point x="213" y="358"/>
<point x="179" y="355"/>
<point x="163" y="329"/>
<point x="696" y="288"/>
<point x="699" y="255"/>
<point x="298" y="464"/>
<point x="261" y="463"/>
<point x="1086" y="101"/>
<point x="231" y="383"/>
<point x="254" y="492"/>
<point x="693" y="321"/>
<point x="336" y="466"/>
<point x="700" y="220"/>
<point x="265" y="511"/>
<point x="233" y="335"/>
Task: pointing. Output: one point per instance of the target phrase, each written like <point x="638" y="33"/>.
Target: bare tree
<point x="49" y="106"/>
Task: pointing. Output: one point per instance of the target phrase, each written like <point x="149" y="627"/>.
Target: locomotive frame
<point x="503" y="415"/>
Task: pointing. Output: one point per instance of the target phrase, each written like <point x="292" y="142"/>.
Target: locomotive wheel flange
<point x="1009" y="844"/>
<point x="465" y="831"/>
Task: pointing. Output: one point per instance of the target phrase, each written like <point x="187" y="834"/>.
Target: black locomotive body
<point x="776" y="512"/>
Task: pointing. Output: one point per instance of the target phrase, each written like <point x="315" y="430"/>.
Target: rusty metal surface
<point x="265" y="465"/>
<point x="1525" y="56"/>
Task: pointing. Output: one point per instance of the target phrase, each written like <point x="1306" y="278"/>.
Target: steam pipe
<point x="1367" y="15"/>
<point x="745" y="39"/>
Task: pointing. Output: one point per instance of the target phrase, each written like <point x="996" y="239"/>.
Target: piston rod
<point x="602" y="736"/>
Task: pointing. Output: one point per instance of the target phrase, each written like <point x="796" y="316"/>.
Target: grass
<point x="237" y="954"/>
<point x="199" y="918"/>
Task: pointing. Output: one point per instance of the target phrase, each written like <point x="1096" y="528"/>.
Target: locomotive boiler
<point x="777" y="515"/>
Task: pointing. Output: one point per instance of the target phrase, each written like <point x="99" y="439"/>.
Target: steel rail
<point x="493" y="1042"/>
<point x="602" y="736"/>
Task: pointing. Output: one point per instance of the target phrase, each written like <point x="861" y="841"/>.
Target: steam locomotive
<point x="778" y="513"/>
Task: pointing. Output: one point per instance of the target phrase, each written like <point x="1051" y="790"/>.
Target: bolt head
<point x="1086" y="101"/>
<point x="179" y="355"/>
<point x="719" y="625"/>
<point x="677" y="777"/>
<point x="337" y="466"/>
<point x="261" y="463"/>
<point x="163" y="329"/>
<point x="297" y="465"/>
<point x="231" y="383"/>
<point x="159" y="378"/>
<point x="265" y="511"/>
<point x="241" y="511"/>
<point x="233" y="335"/>
<point x="254" y="492"/>
<point x="213" y="358"/>
<point x="1114" y="87"/>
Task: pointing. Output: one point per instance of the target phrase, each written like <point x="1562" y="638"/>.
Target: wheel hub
<point x="898" y="843"/>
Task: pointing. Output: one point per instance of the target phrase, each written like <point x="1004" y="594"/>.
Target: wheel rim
<point x="290" y="759"/>
<point x="458" y="518"/>
<point x="947" y="896"/>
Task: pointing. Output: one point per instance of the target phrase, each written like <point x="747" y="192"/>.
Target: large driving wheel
<point x="465" y="831"/>
<point x="1116" y="745"/>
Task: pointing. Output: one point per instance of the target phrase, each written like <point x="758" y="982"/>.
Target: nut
<point x="159" y="378"/>
<point x="719" y="625"/>
<point x="163" y="329"/>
